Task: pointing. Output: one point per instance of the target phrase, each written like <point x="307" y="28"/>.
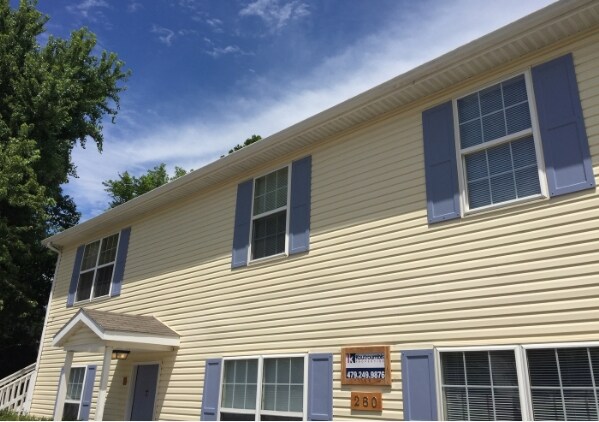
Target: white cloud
<point x="275" y="14"/>
<point x="165" y="35"/>
<point x="88" y="9"/>
<point x="275" y="103"/>
<point x="134" y="7"/>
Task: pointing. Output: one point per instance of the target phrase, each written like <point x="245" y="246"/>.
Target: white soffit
<point x="533" y="32"/>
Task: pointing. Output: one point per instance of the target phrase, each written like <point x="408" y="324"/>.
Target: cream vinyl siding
<point x="376" y="272"/>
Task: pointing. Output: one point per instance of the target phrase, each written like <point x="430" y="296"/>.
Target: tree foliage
<point x="127" y="187"/>
<point x="52" y="97"/>
<point x="248" y="141"/>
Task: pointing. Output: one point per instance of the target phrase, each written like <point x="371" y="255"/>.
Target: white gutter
<point x="33" y="380"/>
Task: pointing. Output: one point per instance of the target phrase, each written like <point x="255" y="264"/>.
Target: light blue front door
<point x="144" y="393"/>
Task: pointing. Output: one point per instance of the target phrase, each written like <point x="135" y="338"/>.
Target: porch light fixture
<point x="120" y="354"/>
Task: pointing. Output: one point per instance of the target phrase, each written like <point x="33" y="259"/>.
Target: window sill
<point x="268" y="259"/>
<point x="505" y="205"/>
<point x="94" y="300"/>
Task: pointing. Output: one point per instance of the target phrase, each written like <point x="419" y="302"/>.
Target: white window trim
<point x="524" y="389"/>
<point x="286" y="208"/>
<point x="534" y="131"/>
<point x="71" y="401"/>
<point x="95" y="269"/>
<point x="258" y="410"/>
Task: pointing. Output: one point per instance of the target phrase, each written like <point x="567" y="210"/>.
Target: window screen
<point x="564" y="383"/>
<point x="507" y="169"/>
<point x="480" y="385"/>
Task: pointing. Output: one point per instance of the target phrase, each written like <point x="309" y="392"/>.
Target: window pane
<point x="453" y="368"/>
<point x="514" y="91"/>
<point x="108" y="250"/>
<point x="283" y="387"/>
<point x="518" y="118"/>
<point x="480" y="401"/>
<point x="542" y="366"/>
<point x="269" y="397"/>
<point x="297" y="370"/>
<point x="491" y="100"/>
<point x="269" y="235"/>
<point x="503" y="364"/>
<point x="239" y="384"/>
<point x="75" y="383"/>
<point x="456" y="404"/>
<point x="507" y="404"/>
<point x="477" y="368"/>
<point x="84" y="287"/>
<point x="270" y="191"/>
<point x="562" y="383"/>
<point x="283" y="371"/>
<point x="547" y="405"/>
<point x="90" y="255"/>
<point x="575" y="367"/>
<point x="494" y="126"/>
<point x="504" y="109"/>
<point x="580" y="405"/>
<point x="296" y="398"/>
<point x="468" y="108"/>
<point x="512" y="173"/>
<point x="471" y="133"/>
<point x="103" y="279"/>
<point x="70" y="411"/>
<point x="472" y="392"/>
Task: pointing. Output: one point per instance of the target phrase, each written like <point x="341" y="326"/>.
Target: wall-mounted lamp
<point x="120" y="354"/>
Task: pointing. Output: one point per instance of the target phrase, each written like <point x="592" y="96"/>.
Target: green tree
<point x="127" y="187"/>
<point x="248" y="141"/>
<point x="52" y="98"/>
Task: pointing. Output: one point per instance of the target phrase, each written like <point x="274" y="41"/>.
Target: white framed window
<point x="526" y="382"/>
<point x="264" y="388"/>
<point x="97" y="268"/>
<point x="498" y="145"/>
<point x="72" y="402"/>
<point x="270" y="214"/>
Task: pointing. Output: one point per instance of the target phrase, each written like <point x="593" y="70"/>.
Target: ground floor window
<point x="263" y="388"/>
<point x="559" y="383"/>
<point x="72" y="402"/>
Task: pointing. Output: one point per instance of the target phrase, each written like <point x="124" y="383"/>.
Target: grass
<point x="9" y="415"/>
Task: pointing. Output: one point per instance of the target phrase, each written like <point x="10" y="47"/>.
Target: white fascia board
<point x="140" y="338"/>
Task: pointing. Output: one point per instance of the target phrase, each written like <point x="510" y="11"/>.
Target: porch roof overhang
<point x="92" y="330"/>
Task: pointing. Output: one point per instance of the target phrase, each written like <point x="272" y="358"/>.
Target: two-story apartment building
<point x="449" y="215"/>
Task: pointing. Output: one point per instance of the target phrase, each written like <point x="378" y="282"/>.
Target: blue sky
<point x="207" y="74"/>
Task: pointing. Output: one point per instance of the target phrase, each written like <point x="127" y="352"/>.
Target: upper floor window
<point x="272" y="214"/>
<point x="499" y="152"/>
<point x="97" y="268"/>
<point x="515" y="140"/>
<point x="269" y="214"/>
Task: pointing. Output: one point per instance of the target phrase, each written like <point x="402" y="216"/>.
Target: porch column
<point x="103" y="383"/>
<point x="62" y="386"/>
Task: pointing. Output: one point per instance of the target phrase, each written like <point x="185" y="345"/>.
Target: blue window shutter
<point x="418" y="385"/>
<point x="320" y="387"/>
<point x="442" y="188"/>
<point x="211" y="390"/>
<point x="565" y="144"/>
<point x="75" y="276"/>
<point x="243" y="220"/>
<point x="121" y="260"/>
<point x="86" y="395"/>
<point x="299" y="216"/>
